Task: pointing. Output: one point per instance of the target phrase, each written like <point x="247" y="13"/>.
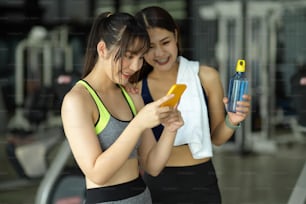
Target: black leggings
<point x="188" y="185"/>
<point x="132" y="192"/>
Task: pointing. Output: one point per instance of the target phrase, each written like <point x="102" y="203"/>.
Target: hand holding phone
<point x="177" y="90"/>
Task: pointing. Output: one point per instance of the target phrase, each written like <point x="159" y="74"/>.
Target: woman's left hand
<point x="132" y="89"/>
<point x="242" y="109"/>
<point x="174" y="120"/>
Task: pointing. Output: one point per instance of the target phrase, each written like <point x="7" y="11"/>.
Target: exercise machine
<point x="36" y="125"/>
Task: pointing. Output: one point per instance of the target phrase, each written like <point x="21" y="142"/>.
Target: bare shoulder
<point x="210" y="80"/>
<point x="77" y="97"/>
<point x="208" y="73"/>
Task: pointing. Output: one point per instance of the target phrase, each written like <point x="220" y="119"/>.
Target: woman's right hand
<point x="153" y="114"/>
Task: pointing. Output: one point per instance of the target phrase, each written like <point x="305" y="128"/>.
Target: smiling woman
<point x="189" y="176"/>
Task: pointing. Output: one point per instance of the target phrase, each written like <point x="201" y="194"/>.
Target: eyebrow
<point x="163" y="39"/>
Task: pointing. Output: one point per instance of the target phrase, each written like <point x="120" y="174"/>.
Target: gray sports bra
<point x="109" y="128"/>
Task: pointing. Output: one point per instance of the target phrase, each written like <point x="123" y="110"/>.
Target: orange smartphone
<point x="177" y="90"/>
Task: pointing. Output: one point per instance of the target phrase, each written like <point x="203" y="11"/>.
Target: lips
<point x="162" y="61"/>
<point x="126" y="75"/>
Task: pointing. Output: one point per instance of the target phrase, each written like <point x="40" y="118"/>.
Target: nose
<point x="158" y="51"/>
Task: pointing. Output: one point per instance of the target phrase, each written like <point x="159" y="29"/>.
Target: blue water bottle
<point x="238" y="86"/>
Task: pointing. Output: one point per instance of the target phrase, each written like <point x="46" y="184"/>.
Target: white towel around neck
<point x="196" y="131"/>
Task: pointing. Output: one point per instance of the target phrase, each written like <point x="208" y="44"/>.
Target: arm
<point x="220" y="132"/>
<point x="78" y="122"/>
<point x="154" y="155"/>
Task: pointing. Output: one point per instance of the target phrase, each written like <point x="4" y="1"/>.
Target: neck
<point x="99" y="80"/>
<point x="165" y="74"/>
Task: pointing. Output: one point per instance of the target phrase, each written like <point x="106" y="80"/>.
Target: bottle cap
<point x="240" y="67"/>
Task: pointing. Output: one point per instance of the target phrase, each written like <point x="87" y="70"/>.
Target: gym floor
<point x="244" y="179"/>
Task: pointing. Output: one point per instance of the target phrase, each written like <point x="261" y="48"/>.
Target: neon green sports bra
<point x="107" y="127"/>
<point x="102" y="121"/>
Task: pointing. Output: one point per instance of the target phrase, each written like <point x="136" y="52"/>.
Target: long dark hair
<point x="156" y="17"/>
<point x="118" y="29"/>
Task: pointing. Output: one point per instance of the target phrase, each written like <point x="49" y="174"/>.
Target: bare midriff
<point x="181" y="156"/>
